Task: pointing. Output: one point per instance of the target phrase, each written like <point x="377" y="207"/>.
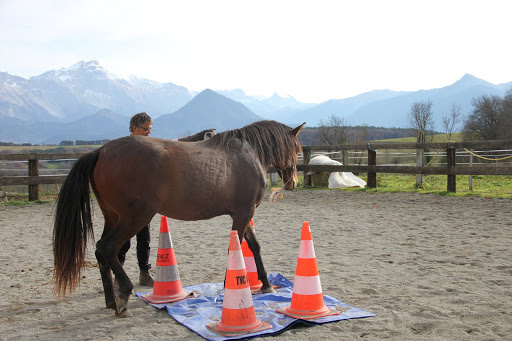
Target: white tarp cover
<point x="338" y="179"/>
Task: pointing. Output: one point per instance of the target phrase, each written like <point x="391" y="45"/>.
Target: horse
<point x="202" y="135"/>
<point x="136" y="177"/>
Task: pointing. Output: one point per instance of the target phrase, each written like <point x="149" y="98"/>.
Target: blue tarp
<point x="206" y="307"/>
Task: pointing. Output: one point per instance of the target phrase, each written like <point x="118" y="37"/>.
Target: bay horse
<point x="136" y="177"/>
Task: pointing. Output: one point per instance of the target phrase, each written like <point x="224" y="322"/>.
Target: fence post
<point x="420" y="157"/>
<point x="273" y="179"/>
<point x="470" y="175"/>
<point x="450" y="162"/>
<point x="306" y="158"/>
<point x="33" y="170"/>
<point x="372" y="161"/>
<point x="420" y="163"/>
<point x="344" y="157"/>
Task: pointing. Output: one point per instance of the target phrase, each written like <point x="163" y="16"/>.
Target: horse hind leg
<point x="105" y="271"/>
<point x="106" y="278"/>
<point x="106" y="253"/>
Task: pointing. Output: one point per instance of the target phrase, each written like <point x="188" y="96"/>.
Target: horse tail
<point x="72" y="225"/>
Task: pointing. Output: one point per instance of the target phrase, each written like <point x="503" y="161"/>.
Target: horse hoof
<point x="124" y="313"/>
<point x="269" y="290"/>
<point x="120" y="306"/>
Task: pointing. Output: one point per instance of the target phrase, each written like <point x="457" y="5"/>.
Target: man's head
<point x="141" y="124"/>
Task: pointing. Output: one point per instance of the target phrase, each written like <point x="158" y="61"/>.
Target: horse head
<point x="288" y="170"/>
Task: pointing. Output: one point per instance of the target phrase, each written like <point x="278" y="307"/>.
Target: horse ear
<point x="297" y="130"/>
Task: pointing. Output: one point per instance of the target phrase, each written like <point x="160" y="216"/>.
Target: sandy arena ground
<point x="430" y="267"/>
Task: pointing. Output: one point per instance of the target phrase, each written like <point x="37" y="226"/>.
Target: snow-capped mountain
<point x="83" y="89"/>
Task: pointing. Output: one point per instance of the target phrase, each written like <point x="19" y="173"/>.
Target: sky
<point x="311" y="50"/>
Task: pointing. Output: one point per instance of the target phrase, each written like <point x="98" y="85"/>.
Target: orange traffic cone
<point x="167" y="286"/>
<point x="307" y="298"/>
<point x="250" y="266"/>
<point x="238" y="314"/>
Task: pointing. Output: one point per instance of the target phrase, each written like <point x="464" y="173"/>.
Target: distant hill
<point x="207" y="110"/>
<point x="339" y="107"/>
<point x="102" y="125"/>
<point x="308" y="136"/>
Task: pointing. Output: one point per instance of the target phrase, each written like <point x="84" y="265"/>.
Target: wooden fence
<point x="451" y="170"/>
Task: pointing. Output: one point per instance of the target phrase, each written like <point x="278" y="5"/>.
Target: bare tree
<point x="333" y="131"/>
<point x="452" y="120"/>
<point x="485" y="120"/>
<point x="421" y="116"/>
<point x="359" y="134"/>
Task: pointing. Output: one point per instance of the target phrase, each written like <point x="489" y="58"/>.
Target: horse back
<point x="182" y="180"/>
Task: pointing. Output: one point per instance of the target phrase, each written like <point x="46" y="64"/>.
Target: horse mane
<point x="272" y="141"/>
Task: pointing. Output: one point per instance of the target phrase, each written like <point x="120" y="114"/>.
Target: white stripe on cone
<point x="306" y="249"/>
<point x="236" y="260"/>
<point x="307" y="285"/>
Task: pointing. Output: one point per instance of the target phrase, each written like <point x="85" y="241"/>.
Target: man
<point x="140" y="124"/>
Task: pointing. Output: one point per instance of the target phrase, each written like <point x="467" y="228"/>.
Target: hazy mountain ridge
<point x="339" y="107"/>
<point x="87" y="102"/>
<point x="273" y="107"/>
<point x="392" y="112"/>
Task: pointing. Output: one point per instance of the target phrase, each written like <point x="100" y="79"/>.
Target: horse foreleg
<point x="106" y="278"/>
<point x="254" y="245"/>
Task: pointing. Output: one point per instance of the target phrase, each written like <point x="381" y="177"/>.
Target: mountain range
<point x="87" y="102"/>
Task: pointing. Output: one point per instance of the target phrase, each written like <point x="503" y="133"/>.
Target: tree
<point x="66" y="143"/>
<point x="421" y="116"/>
<point x="333" y="132"/>
<point x="452" y="120"/>
<point x="506" y="117"/>
<point x="485" y="120"/>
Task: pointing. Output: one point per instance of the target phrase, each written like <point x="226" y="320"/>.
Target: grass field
<point x="492" y="186"/>
<point x="489" y="186"/>
<point x="495" y="186"/>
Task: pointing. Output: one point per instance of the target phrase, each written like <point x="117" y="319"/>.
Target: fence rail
<point x="451" y="170"/>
